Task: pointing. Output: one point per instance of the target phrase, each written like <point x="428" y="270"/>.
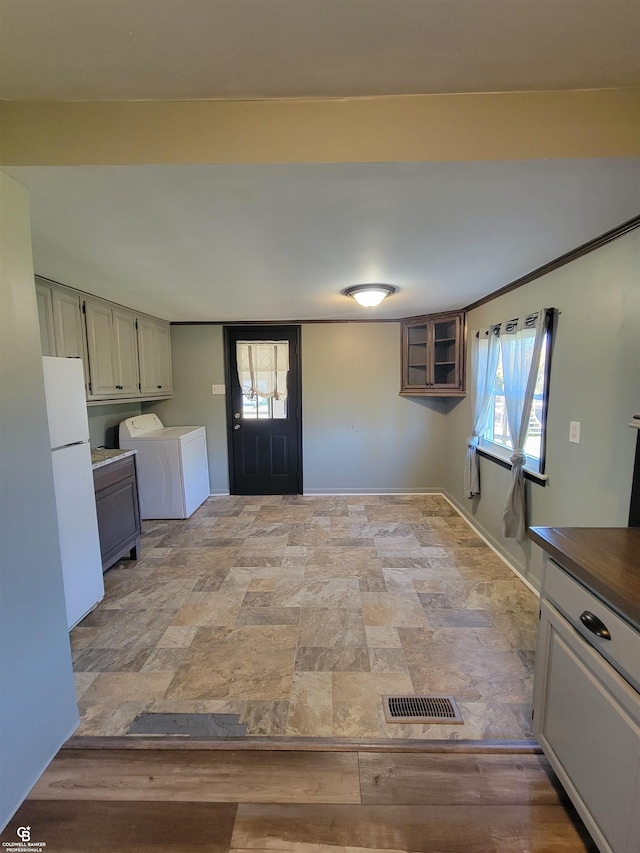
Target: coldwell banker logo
<point x="25" y="845"/>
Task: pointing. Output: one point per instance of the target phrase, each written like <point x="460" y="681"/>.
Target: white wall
<point x="358" y="434"/>
<point x="595" y="379"/>
<point x="37" y="703"/>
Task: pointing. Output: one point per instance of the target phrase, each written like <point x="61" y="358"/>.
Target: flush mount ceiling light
<point x="369" y="295"/>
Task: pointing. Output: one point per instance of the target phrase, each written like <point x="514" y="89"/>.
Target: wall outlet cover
<point x="574" y="432"/>
<point x="218" y="389"/>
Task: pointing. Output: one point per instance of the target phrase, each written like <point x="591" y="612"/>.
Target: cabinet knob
<point x="595" y="625"/>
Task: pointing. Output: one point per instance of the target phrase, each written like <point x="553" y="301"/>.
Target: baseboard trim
<point x="491" y="542"/>
<point x="347" y="492"/>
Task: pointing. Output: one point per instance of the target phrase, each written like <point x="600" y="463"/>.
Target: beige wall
<point x="358" y="434"/>
<point x="595" y="379"/>
<point x="197" y="358"/>
<point x="104" y="422"/>
<point x="483" y="126"/>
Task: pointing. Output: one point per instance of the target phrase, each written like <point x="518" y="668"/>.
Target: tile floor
<point x="299" y="613"/>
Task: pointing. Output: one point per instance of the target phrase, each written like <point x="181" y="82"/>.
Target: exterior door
<point x="264" y="433"/>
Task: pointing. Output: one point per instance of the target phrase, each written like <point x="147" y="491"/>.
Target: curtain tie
<point x="473" y="440"/>
<point x="518" y="458"/>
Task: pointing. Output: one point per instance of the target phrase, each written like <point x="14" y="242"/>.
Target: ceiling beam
<point x="414" y="128"/>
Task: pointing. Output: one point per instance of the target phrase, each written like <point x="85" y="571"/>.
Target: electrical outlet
<point x="217" y="389"/>
<point x="574" y="432"/>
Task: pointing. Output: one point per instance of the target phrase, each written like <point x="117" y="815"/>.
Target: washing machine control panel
<point x="136" y="426"/>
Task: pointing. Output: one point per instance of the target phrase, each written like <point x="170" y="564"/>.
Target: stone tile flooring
<point x="299" y="613"/>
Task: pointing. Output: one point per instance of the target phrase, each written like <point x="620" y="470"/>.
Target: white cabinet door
<point x="68" y="329"/>
<point x="113" y="357"/>
<point x="587" y="720"/>
<point x="45" y="316"/>
<point x="154" y="350"/>
<point x="102" y="365"/>
<point x="67" y="324"/>
<point x="126" y="353"/>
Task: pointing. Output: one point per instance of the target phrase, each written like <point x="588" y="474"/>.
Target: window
<point x="496" y="439"/>
<point x="262" y="373"/>
<point x="263" y="408"/>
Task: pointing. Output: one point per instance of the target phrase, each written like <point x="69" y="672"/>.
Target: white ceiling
<point x="279" y="242"/>
<point x="250" y="242"/>
<point x="193" y="49"/>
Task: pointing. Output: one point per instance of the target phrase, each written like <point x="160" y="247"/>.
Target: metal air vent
<point x="421" y="709"/>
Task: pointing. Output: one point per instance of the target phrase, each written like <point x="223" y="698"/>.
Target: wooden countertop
<point x="606" y="560"/>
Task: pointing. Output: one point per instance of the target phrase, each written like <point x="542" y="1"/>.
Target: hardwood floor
<point x="165" y="798"/>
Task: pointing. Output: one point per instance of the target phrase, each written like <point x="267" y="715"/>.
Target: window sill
<point x="534" y="476"/>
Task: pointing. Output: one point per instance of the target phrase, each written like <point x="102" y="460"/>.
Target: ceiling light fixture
<point x="369" y="295"/>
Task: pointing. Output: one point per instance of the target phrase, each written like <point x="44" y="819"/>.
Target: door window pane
<point x="264" y="408"/>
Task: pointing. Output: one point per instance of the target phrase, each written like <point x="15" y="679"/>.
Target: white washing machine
<point x="173" y="471"/>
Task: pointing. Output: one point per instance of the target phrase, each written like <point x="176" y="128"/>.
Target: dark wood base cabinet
<point x="118" y="510"/>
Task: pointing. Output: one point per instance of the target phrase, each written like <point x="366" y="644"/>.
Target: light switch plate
<point x="574" y="432"/>
<point x="217" y="389"/>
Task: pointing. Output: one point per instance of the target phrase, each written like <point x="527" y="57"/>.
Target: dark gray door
<point x="265" y="434"/>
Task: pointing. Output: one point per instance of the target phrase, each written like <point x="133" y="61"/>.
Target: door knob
<point x="236" y="415"/>
<point x="236" y="426"/>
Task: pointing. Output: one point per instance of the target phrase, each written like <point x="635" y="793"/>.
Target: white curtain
<point x="485" y="349"/>
<point x="521" y="345"/>
<point x="262" y="368"/>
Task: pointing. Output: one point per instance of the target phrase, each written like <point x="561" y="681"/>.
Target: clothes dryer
<point x="173" y="470"/>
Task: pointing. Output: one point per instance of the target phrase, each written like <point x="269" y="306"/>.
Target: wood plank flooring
<point x="176" y="800"/>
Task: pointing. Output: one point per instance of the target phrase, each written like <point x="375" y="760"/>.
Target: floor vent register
<point x="421" y="709"/>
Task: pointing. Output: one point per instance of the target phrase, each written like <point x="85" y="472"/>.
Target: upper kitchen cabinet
<point x="112" y="349"/>
<point x="61" y="327"/>
<point x="67" y="324"/>
<point x="45" y="316"/>
<point x="433" y="349"/>
<point x="154" y="353"/>
<point x="61" y="332"/>
<point x="125" y="357"/>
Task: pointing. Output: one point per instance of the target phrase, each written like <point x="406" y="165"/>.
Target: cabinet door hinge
<point x="533" y="711"/>
<point x="539" y="615"/>
<point x="136" y="324"/>
<point x="84" y="308"/>
<point x="90" y="389"/>
<point x="139" y="387"/>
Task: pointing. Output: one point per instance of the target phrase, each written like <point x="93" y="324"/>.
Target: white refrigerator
<point x="73" y="482"/>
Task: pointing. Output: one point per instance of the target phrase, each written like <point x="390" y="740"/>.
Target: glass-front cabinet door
<point x="433" y="348"/>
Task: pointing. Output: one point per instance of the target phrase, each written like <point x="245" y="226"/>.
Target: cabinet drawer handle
<point x="595" y="625"/>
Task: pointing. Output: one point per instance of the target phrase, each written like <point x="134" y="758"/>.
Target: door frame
<point x="267" y="331"/>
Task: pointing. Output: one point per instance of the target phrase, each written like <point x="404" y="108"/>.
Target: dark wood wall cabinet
<point x="118" y="510"/>
<point x="433" y="353"/>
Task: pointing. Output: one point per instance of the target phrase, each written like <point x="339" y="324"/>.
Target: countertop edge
<point x="115" y="455"/>
<point x="628" y="610"/>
